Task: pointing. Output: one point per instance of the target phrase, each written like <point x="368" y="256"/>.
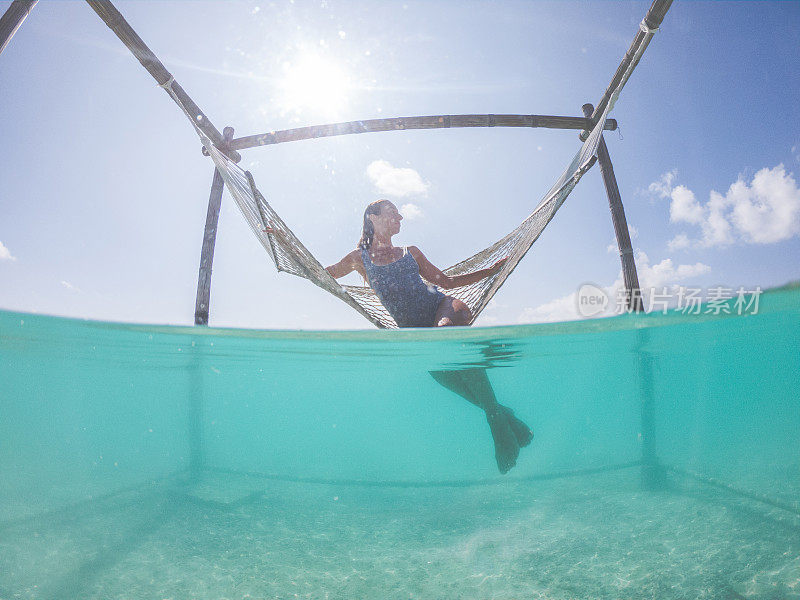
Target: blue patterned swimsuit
<point x="410" y="301"/>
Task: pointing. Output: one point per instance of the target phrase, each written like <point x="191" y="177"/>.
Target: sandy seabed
<point x="236" y="537"/>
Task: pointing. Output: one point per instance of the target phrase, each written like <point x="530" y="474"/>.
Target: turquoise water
<point x="174" y="462"/>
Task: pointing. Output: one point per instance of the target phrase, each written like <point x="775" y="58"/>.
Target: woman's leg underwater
<point x="508" y="432"/>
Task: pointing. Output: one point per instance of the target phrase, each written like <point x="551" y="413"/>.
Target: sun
<point x="315" y="84"/>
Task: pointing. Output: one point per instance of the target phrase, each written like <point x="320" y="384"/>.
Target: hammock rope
<point x="289" y="254"/>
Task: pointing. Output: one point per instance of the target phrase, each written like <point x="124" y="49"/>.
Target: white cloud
<point x="684" y="206"/>
<point x="663" y="187"/>
<point x="560" y="309"/>
<point x="395" y="181"/>
<point x="411" y="211"/>
<point x="651" y="277"/>
<point x="717" y="230"/>
<point x="679" y="242"/>
<point x="5" y="253"/>
<point x="487" y="317"/>
<point x="665" y="273"/>
<point x="767" y="210"/>
<point x="71" y="287"/>
<point x="763" y="211"/>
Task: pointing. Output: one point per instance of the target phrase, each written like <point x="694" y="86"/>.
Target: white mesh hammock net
<point x="290" y="255"/>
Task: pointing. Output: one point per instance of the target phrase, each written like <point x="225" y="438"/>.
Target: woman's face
<point x="388" y="220"/>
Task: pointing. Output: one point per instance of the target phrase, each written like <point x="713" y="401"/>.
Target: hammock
<point x="290" y="255"/>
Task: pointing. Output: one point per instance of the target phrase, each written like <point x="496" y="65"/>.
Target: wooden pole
<point x="12" y="19"/>
<point x="197" y="391"/>
<point x="652" y="21"/>
<point x="402" y="123"/>
<point x="201" y="307"/>
<point x="117" y="23"/>
<point x="631" y="277"/>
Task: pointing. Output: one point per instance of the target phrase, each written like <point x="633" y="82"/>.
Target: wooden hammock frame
<point x="652" y="471"/>
<point x="225" y="141"/>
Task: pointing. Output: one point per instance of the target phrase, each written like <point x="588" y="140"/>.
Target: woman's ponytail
<point x="368" y="230"/>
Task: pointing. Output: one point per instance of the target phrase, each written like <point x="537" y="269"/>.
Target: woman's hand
<point x="496" y="267"/>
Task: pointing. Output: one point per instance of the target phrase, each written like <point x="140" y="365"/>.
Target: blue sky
<point x="105" y="190"/>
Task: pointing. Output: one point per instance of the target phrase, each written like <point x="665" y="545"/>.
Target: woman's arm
<point x="434" y="275"/>
<point x="351" y="262"/>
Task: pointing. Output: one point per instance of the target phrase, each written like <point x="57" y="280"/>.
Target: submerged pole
<point x="12" y="19"/>
<point x="653" y="475"/>
<point x="202" y="303"/>
<point x="195" y="404"/>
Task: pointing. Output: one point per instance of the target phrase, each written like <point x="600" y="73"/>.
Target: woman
<point x="396" y="274"/>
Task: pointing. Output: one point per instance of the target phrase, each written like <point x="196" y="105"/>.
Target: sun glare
<point x="314" y="84"/>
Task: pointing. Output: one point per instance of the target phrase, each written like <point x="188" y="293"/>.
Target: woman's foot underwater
<point x="522" y="432"/>
<point x="508" y="432"/>
<point x="509" y="435"/>
<point x="506" y="447"/>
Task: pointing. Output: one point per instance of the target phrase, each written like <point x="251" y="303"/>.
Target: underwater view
<point x="175" y="462"/>
<point x="575" y="444"/>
